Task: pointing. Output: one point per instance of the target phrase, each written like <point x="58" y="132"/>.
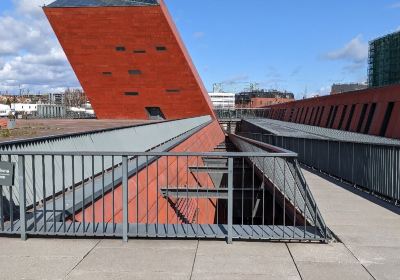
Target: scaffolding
<point x="384" y="61"/>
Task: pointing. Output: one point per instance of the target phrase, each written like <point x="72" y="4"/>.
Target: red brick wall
<point x="203" y="141"/>
<point x="89" y="37"/>
<point x="381" y="96"/>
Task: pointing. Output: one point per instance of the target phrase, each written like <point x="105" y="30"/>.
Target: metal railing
<point x="372" y="167"/>
<point x="161" y="195"/>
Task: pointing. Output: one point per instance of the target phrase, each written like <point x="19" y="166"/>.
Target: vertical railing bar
<point x="305" y="203"/>
<point x="73" y="194"/>
<point x="93" y="205"/>
<point x="187" y="194"/>
<point x="44" y="194"/>
<point x="284" y="198"/>
<point x="263" y="194"/>
<point x="102" y="193"/>
<point x="177" y="199"/>
<point x="230" y="200"/>
<point x="273" y="195"/>
<point x="34" y="194"/>
<point x="252" y="201"/>
<point x="125" y="220"/>
<point x="295" y="211"/>
<point x="113" y="194"/>
<point x="157" y="190"/>
<point x="147" y="195"/>
<point x="167" y="222"/>
<point x="242" y="191"/>
<point x="83" y="193"/>
<point x="137" y="195"/>
<point x="22" y="196"/>
<point x="63" y="193"/>
<point x="11" y="207"/>
<point x="197" y="202"/>
<point x="53" y="177"/>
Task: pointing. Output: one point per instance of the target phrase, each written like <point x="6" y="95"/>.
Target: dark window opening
<point x="301" y="115"/>
<point x="342" y="117"/>
<point x="333" y="117"/>
<point x="120" y="49"/>
<point x="134" y="72"/>
<point x="362" y="116"/>
<point x="161" y="48"/>
<point x="291" y="115"/>
<point x="353" y="108"/>
<point x="132" y="93"/>
<point x="320" y="115"/>
<point x="305" y="117"/>
<point x="329" y="117"/>
<point x="386" y="120"/>
<point x="370" y="118"/>
<point x="316" y="116"/>
<point x="107" y="73"/>
<point x="297" y="114"/>
<point x="175" y="90"/>
<point x="312" y="114"/>
<point x="139" y="51"/>
<point x="155" y="113"/>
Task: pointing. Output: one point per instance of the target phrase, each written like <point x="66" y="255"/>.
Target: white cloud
<point x="236" y="79"/>
<point x="395" y="5"/>
<point x="198" y="35"/>
<point x="354" y="54"/>
<point x="31" y="56"/>
<point x="355" y="51"/>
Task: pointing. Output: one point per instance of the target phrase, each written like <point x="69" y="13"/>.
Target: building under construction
<point x="384" y="61"/>
<point x="260" y="98"/>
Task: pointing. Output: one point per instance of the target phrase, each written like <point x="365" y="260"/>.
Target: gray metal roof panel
<point x="101" y="3"/>
<point x="282" y="128"/>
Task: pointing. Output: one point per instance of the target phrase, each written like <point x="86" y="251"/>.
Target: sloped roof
<point x="101" y="3"/>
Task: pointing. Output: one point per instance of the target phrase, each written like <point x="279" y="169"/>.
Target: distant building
<point x="384" y="61"/>
<point x="56" y="98"/>
<point x="262" y="98"/>
<point x="23" y="108"/>
<point x="222" y="100"/>
<point x="4" y="110"/>
<point x="341" y="88"/>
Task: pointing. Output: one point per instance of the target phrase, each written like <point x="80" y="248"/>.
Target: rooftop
<point x="101" y="3"/>
<point x="38" y="128"/>
<point x="288" y="129"/>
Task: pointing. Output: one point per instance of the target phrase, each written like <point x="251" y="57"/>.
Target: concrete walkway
<point x="371" y="249"/>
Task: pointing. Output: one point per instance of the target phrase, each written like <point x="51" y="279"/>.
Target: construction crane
<point x="237" y="87"/>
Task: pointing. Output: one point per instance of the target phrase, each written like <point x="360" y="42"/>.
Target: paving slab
<point x="368" y="227"/>
<point x="243" y="260"/>
<point x="330" y="253"/>
<point x="332" y="271"/>
<point x="37" y="267"/>
<point x="139" y="258"/>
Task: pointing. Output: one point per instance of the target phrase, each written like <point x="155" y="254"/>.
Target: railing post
<point x="230" y="199"/>
<point x="22" y="202"/>
<point x="125" y="198"/>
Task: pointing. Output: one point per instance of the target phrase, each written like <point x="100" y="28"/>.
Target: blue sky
<point x="286" y="44"/>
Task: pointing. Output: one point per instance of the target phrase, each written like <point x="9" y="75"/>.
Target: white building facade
<point x="222" y="100"/>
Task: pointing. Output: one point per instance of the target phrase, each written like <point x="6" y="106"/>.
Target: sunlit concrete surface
<point x="368" y="227"/>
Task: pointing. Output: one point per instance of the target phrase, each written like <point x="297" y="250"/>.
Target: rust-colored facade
<point x="374" y="111"/>
<point x="130" y="60"/>
<point x="259" y="102"/>
<point x="195" y="211"/>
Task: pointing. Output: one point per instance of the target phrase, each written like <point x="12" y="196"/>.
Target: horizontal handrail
<point x="161" y="154"/>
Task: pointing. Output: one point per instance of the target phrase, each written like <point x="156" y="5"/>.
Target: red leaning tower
<point x="129" y="58"/>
